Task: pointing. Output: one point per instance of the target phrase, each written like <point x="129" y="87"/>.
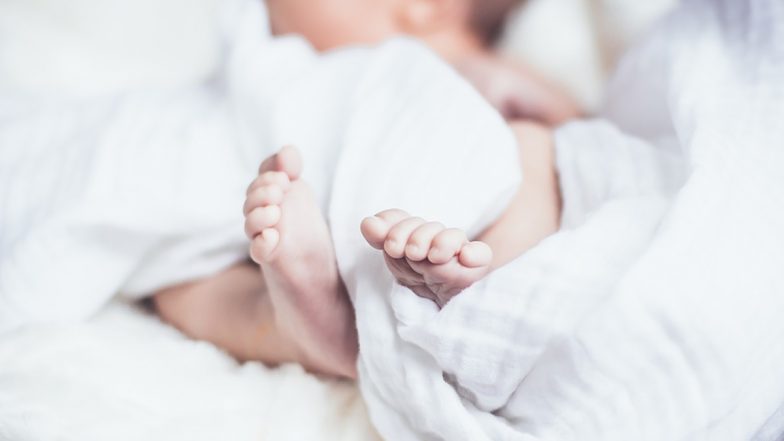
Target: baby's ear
<point x="421" y="17"/>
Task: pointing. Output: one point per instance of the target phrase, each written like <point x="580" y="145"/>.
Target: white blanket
<point x="657" y="312"/>
<point x="138" y="191"/>
<point x="583" y="363"/>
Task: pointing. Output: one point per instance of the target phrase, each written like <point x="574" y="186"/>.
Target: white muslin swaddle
<point x="657" y="312"/>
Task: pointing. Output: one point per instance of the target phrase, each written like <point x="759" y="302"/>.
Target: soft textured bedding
<point x="656" y="312"/>
<point x="125" y="375"/>
<point x="145" y="185"/>
<point x="133" y="191"/>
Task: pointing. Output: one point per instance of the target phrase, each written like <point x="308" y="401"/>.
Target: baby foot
<point x="291" y="242"/>
<point x="435" y="262"/>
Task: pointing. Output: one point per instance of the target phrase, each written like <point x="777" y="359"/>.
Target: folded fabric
<point x="656" y="312"/>
<point x="136" y="192"/>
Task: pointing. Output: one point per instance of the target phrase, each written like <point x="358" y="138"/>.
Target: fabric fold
<point x="656" y="312"/>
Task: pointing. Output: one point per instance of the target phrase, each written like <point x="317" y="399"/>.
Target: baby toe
<point x="263" y="245"/>
<point x="395" y="243"/>
<point x="375" y="230"/>
<point x="260" y="219"/>
<point x="475" y="255"/>
<point x="290" y="161"/>
<point x="421" y="240"/>
<point x="446" y="245"/>
<point x="277" y="178"/>
<point x="262" y="197"/>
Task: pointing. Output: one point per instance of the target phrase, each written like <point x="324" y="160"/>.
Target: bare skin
<point x="438" y="263"/>
<point x="435" y="262"/>
<point x="232" y="310"/>
<point x="290" y="240"/>
<point x="292" y="307"/>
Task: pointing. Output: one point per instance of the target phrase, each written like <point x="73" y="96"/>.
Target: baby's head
<point x="451" y="27"/>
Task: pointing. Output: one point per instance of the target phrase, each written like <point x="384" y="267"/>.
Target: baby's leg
<point x="232" y="310"/>
<point x="299" y="310"/>
<point x="291" y="242"/>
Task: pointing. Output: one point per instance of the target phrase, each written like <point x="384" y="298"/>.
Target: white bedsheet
<point x="657" y="312"/>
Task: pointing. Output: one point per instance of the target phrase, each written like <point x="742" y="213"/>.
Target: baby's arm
<point x="518" y="92"/>
<point x="437" y="262"/>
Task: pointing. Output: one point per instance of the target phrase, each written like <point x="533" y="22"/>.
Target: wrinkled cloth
<point x="142" y="190"/>
<point x="656" y="313"/>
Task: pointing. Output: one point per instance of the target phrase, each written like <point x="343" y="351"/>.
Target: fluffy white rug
<point x="126" y="376"/>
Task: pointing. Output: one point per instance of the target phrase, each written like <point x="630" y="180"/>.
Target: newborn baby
<point x="307" y="317"/>
<point x="462" y="32"/>
<point x="436" y="262"/>
<point x="299" y="310"/>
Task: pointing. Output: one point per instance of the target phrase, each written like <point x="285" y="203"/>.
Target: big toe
<point x="375" y="231"/>
<point x="263" y="246"/>
<point x="287" y="160"/>
<point x="290" y="161"/>
<point x="376" y="228"/>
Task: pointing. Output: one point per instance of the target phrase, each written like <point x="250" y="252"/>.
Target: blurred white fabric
<point x="577" y="43"/>
<point x="144" y="189"/>
<point x="85" y="381"/>
<point x="125" y="376"/>
<point x="656" y="313"/>
<point x="94" y="47"/>
<point x="112" y="45"/>
<point x="109" y="187"/>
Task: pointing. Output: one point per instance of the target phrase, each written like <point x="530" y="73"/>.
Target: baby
<point x="462" y="32"/>
<point x="297" y="309"/>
